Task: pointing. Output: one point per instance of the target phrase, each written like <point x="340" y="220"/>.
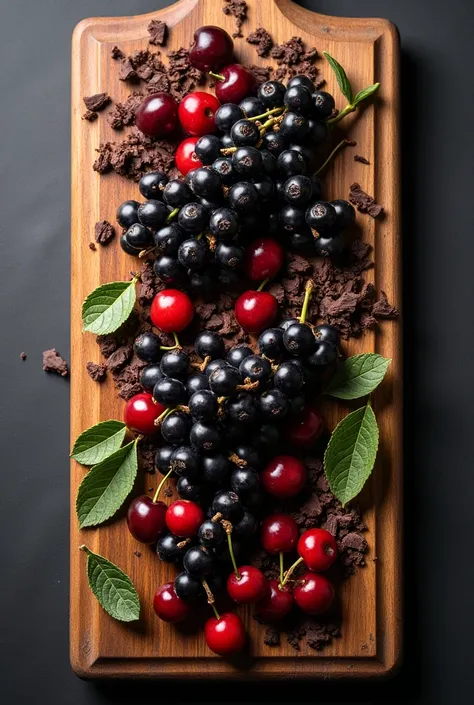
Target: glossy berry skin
<point x="168" y="239"/>
<point x="305" y="429"/>
<point x="225" y="170"/>
<point x="197" y="113"/>
<point x="185" y="462"/>
<point x="168" y="606"/>
<point x="301" y="80"/>
<point x="138" y="236"/>
<point x="244" y="480"/>
<point x="291" y="218"/>
<point x="323" y="104"/>
<point x="188" y="489"/>
<point x="150" y="375"/>
<point x="224" y="223"/>
<point x="227" y="115"/>
<point x="277" y="604"/>
<point x="127" y="214"/>
<point x="157" y="115"/>
<point x="314" y="593"/>
<point x="163" y="459"/>
<point x="152" y="183"/>
<point x="168" y="551"/>
<point x="332" y="246"/>
<point x="247" y="161"/>
<point x="208" y="148"/>
<point x="318" y="549"/>
<point x="274" y="405"/>
<point x="196" y="383"/>
<point x="168" y="270"/>
<point x="126" y="246"/>
<point x="239" y="82"/>
<point x="249" y="587"/>
<point x="263" y="259"/>
<point x="188" y="588"/>
<point x="171" y="311"/>
<point x="298" y="98"/>
<point x="255" y="368"/>
<point x="228" y="504"/>
<point x="290" y="163"/>
<point x="212" y="48"/>
<point x="170" y="392"/>
<point x="184" y="518"/>
<point x="242" y="408"/>
<point x="246" y="527"/>
<point x="147" y="347"/>
<point x="226" y="635"/>
<point x="299" y="339"/>
<point x="321" y="215"/>
<point x="271" y="94"/>
<point x="345" y="213"/>
<point x="140" y="413"/>
<point x="229" y="254"/>
<point x="243" y="197"/>
<point x="236" y="355"/>
<point x="198" y="561"/>
<point x="317" y="132"/>
<point x="284" y="476"/>
<point x="209" y="344"/>
<point x="294" y="127"/>
<point x="203" y="405"/>
<point x="215" y="468"/>
<point x="298" y="190"/>
<point x="152" y="214"/>
<point x="245" y="133"/>
<point x="146" y="519"/>
<point x="177" y="193"/>
<point x="205" y="183"/>
<point x="327" y="333"/>
<point x="255" y="310"/>
<point x="224" y="381"/>
<point x="175" y="363"/>
<point x="252" y="106"/>
<point x="324" y="355"/>
<point x="175" y="428"/>
<point x="205" y="437"/>
<point x="289" y="379"/>
<point x="211" y="534"/>
<point x="279" y="534"/>
<point x="193" y="254"/>
<point x="214" y="365"/>
<point x="274" y="143"/>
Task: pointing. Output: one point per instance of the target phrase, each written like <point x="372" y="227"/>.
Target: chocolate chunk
<point x="158" y="83"/>
<point x="363" y="202"/>
<point x="119" y="358"/>
<point x="146" y="454"/>
<point x="137" y="554"/>
<point x="96" y="102"/>
<point x="355" y="541"/>
<point x="117" y="53"/>
<point x="238" y="9"/>
<point x="382" y="309"/>
<point x="289" y="53"/>
<point x="108" y="344"/>
<point x="262" y="40"/>
<point x="317" y="635"/>
<point x="96" y="372"/>
<point x="362" y="160"/>
<point x="205" y="311"/>
<point x="23" y="356"/>
<point x="90" y="116"/>
<point x="148" y="284"/>
<point x="298" y="265"/>
<point x="104" y="232"/>
<point x="272" y="636"/>
<point x="215" y="322"/>
<point x="278" y="292"/>
<point x="53" y="362"/>
<point x="92" y="246"/>
<point x="158" y="32"/>
<point x="261" y="73"/>
<point x="127" y="71"/>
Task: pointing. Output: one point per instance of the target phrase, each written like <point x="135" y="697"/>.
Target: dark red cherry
<point x="140" y="413"/>
<point x="263" y="259"/>
<point x="185" y="157"/>
<point x="305" y="429"/>
<point x="171" y="310"/>
<point x="255" y="310"/>
<point x="146" y="519"/>
<point x="318" y="549"/>
<point x="157" y="115"/>
<point x="279" y="533"/>
<point x="284" y="476"/>
<point x="211" y="49"/>
<point x="276" y="604"/>
<point x="168" y="606"/>
<point x="183" y="518"/>
<point x="248" y="587"/>
<point x="236" y="83"/>
<point x="314" y="593"/>
<point x="197" y="113"/>
<point x="226" y="635"/>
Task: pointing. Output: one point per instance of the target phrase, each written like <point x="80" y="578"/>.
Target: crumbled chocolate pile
<point x="97" y="372"/>
<point x="237" y="9"/>
<point x="135" y="155"/>
<point x="146" y="454"/>
<point x="53" y="362"/>
<point x="104" y="232"/>
<point x="363" y="202"/>
<point x="362" y="160"/>
<point x="123" y="114"/>
<point x="382" y="308"/>
<point x="261" y="73"/>
<point x="262" y="41"/>
<point x="23" y="356"/>
<point x="90" y="116"/>
<point x="292" y="57"/>
<point x="158" y="32"/>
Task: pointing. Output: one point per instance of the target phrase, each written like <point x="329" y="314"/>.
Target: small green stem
<point x="215" y="611"/>
<point x="290" y="571"/>
<point x="307" y="296"/>
<point x="168" y="347"/>
<point x="172" y="215"/>
<point x="281" y="567"/>
<point x="176" y="341"/>
<point x="263" y="284"/>
<point x="348" y="109"/>
<point x="231" y="551"/>
<point x="217" y="76"/>
<point x="198" y="237"/>
<point x="158" y="489"/>
<point x="163" y="415"/>
<point x="144" y="253"/>
<point x="342" y="143"/>
<point x="273" y="111"/>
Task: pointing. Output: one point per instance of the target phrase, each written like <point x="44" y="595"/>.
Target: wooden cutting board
<point x="371" y="600"/>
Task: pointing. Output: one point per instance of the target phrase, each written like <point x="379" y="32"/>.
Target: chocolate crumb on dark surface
<point x="97" y="372"/>
<point x="23" y="356"/>
<point x="362" y="160"/>
<point x="96" y="102"/>
<point x="363" y="202"/>
<point x="90" y="115"/>
<point x="158" y="32"/>
<point x="272" y="636"/>
<point x="262" y="40"/>
<point x="135" y="155"/>
<point x="146" y="454"/>
<point x="238" y="9"/>
<point x="104" y="232"/>
<point x="53" y="362"/>
<point x="92" y="246"/>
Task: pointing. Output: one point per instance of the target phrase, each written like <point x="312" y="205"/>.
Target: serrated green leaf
<point x="108" y="307"/>
<point x="350" y="456"/>
<point x="98" y="442"/>
<point x="112" y="587"/>
<point x="358" y="376"/>
<point x="366" y="93"/>
<point x="106" y="487"/>
<point x="341" y="77"/>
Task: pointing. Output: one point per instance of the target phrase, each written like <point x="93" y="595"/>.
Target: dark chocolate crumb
<point x="363" y="202"/>
<point x="158" y="32"/>
<point x="96" y="102"/>
<point x="137" y="554"/>
<point x="104" y="232"/>
<point x="168" y="492"/>
<point x="119" y="358"/>
<point x="117" y="53"/>
<point x="147" y="452"/>
<point x="53" y="362"/>
<point x="238" y="9"/>
<point x="92" y="246"/>
<point x="382" y="308"/>
<point x="261" y="73"/>
<point x="362" y="160"/>
<point x="262" y="40"/>
<point x="90" y="115"/>
<point x="96" y="372"/>
<point x="272" y="636"/>
<point x="127" y="71"/>
<point x="23" y="356"/>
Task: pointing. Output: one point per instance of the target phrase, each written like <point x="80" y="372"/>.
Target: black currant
<point x="271" y="93"/>
<point x="298" y="98"/>
<point x="284" y="325"/>
<point x="209" y="344"/>
<point x="274" y="143"/>
<point x="298" y="190"/>
<point x="193" y="253"/>
<point x="203" y="405"/>
<point x="168" y="239"/>
<point x="163" y="459"/>
<point x="274" y="405"/>
<point x="252" y="107"/>
<point x="127" y="214"/>
<point x="297" y="404"/>
<point x="126" y="246"/>
<point x="236" y="355"/>
<point x="327" y="333"/>
<point x="325" y="354"/>
<point x="196" y="383"/>
<point x="187" y="587"/>
<point x="249" y="454"/>
<point x="247" y="161"/>
<point x="151" y="185"/>
<point x="227" y="141"/>
<point x="177" y="193"/>
<point x="302" y="241"/>
<point x="175" y="428"/>
<point x="244" y="480"/>
<point x="294" y="127"/>
<point x="206" y="183"/>
<point x="168" y="269"/>
<point x="193" y="217"/>
<point x="301" y="80"/>
<point x="228" y="504"/>
<point x="187" y="489"/>
<point x="198" y="562"/>
<point x="152" y="214"/>
<point x="224" y="223"/>
<point x="229" y="254"/>
<point x="211" y="533"/>
<point x="291" y="218"/>
<point x="329" y="246"/>
<point x="226" y="115"/>
<point x="215" y="365"/>
<point x="147" y="347"/>
<point x="224" y="381"/>
<point x="266" y="438"/>
<point x="185" y="462"/>
<point x="242" y="409"/>
<point x="202" y="283"/>
<point x="321" y="215"/>
<point x="139" y="237"/>
<point x="208" y="148"/>
<point x="170" y="392"/>
<point x="256" y="369"/>
<point x="246" y="527"/>
<point x="205" y="438"/>
<point x="175" y="363"/>
<point x="345" y="213"/>
<point x="243" y="196"/>
<point x="290" y="162"/>
<point x="265" y="188"/>
<point x="299" y="339"/>
<point x="245" y="133"/>
<point x="149" y="376"/>
<point x="269" y="162"/>
<point x="270" y="343"/>
<point x="225" y="169"/>
<point x="317" y="131"/>
<point x="168" y="550"/>
<point x="289" y="379"/>
<point x="323" y="104"/>
<point x="215" y="468"/>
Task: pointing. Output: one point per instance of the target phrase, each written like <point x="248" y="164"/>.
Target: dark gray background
<point x="437" y="147"/>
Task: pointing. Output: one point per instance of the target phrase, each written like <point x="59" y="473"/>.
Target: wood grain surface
<point x="371" y="600"/>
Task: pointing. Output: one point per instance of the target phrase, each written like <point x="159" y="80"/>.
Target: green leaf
<point x="106" y="487"/>
<point x="350" y="455"/>
<point x="98" y="442"/>
<point x="112" y="587"/>
<point x="341" y="77"/>
<point x="108" y="307"/>
<point x="366" y="93"/>
<point x="358" y="376"/>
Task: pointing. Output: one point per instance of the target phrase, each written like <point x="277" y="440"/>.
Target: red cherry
<point x="185" y="156"/>
<point x="171" y="310"/>
<point x="251" y="585"/>
<point x="314" y="593"/>
<point x="211" y="49"/>
<point x="239" y="82"/>
<point x="183" y="518"/>
<point x="225" y="635"/>
<point x="255" y="310"/>
<point x="318" y="549"/>
<point x="196" y="113"/>
<point x="146" y="519"/>
<point x="306" y="428"/>
<point x="276" y="604"/>
<point x="140" y="413"/>
<point x="279" y="533"/>
<point x="263" y="259"/>
<point x="168" y="606"/>
<point x="157" y="115"/>
<point x="284" y="476"/>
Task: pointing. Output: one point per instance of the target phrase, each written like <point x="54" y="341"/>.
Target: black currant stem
<point x="281" y="568"/>
<point x="290" y="571"/>
<point x="169" y="347"/>
<point x="227" y="151"/>
<point x="172" y="215"/>
<point x="158" y="489"/>
<point x="176" y="340"/>
<point x="307" y="296"/>
<point x="217" y="76"/>
<point x="273" y="111"/>
<point x="163" y="415"/>
<point x="144" y="253"/>
<point x="263" y="284"/>
<point x="210" y="597"/>
<point x="342" y="143"/>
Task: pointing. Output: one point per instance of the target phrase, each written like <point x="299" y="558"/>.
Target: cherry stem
<point x="176" y="340"/>
<point x="215" y="610"/>
<point x="342" y="143"/>
<point x="273" y="111"/>
<point x="263" y="284"/>
<point x="281" y="567"/>
<point x="228" y="529"/>
<point x="158" y="489"/>
<point x="172" y="215"/>
<point x="290" y="571"/>
<point x="307" y="296"/>
<point x="169" y="347"/>
<point x="348" y="109"/>
<point x="217" y="76"/>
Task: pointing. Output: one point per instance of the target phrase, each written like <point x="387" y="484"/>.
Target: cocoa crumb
<point x="97" y="102"/>
<point x="137" y="554"/>
<point x="261" y="73"/>
<point x="23" y="356"/>
<point x="92" y="246"/>
<point x="272" y="636"/>
<point x="97" y="372"/>
<point x="90" y="115"/>
<point x="147" y="457"/>
<point x="362" y="160"/>
<point x="119" y="358"/>
<point x="158" y="32"/>
<point x="382" y="308"/>
<point x="107" y="344"/>
<point x="127" y="71"/>
<point x="53" y="362"/>
<point x="262" y="40"/>
<point x="117" y="53"/>
<point x="104" y="232"/>
<point x="363" y="202"/>
<point x="168" y="492"/>
<point x="237" y="9"/>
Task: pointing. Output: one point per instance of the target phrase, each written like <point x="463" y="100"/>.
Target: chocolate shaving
<point x="104" y="232"/>
<point x="53" y="362"/>
<point x="96" y="102"/>
<point x="237" y="9"/>
<point x="363" y="202"/>
<point x="158" y="32"/>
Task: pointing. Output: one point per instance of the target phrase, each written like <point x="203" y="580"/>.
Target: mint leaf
<point x="341" y="77"/>
<point x="112" y="587"/>
<point x="106" y="487"/>
<point x="358" y="376"/>
<point x="350" y="455"/>
<point x="108" y="306"/>
<point x="366" y="93"/>
<point x="98" y="442"/>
